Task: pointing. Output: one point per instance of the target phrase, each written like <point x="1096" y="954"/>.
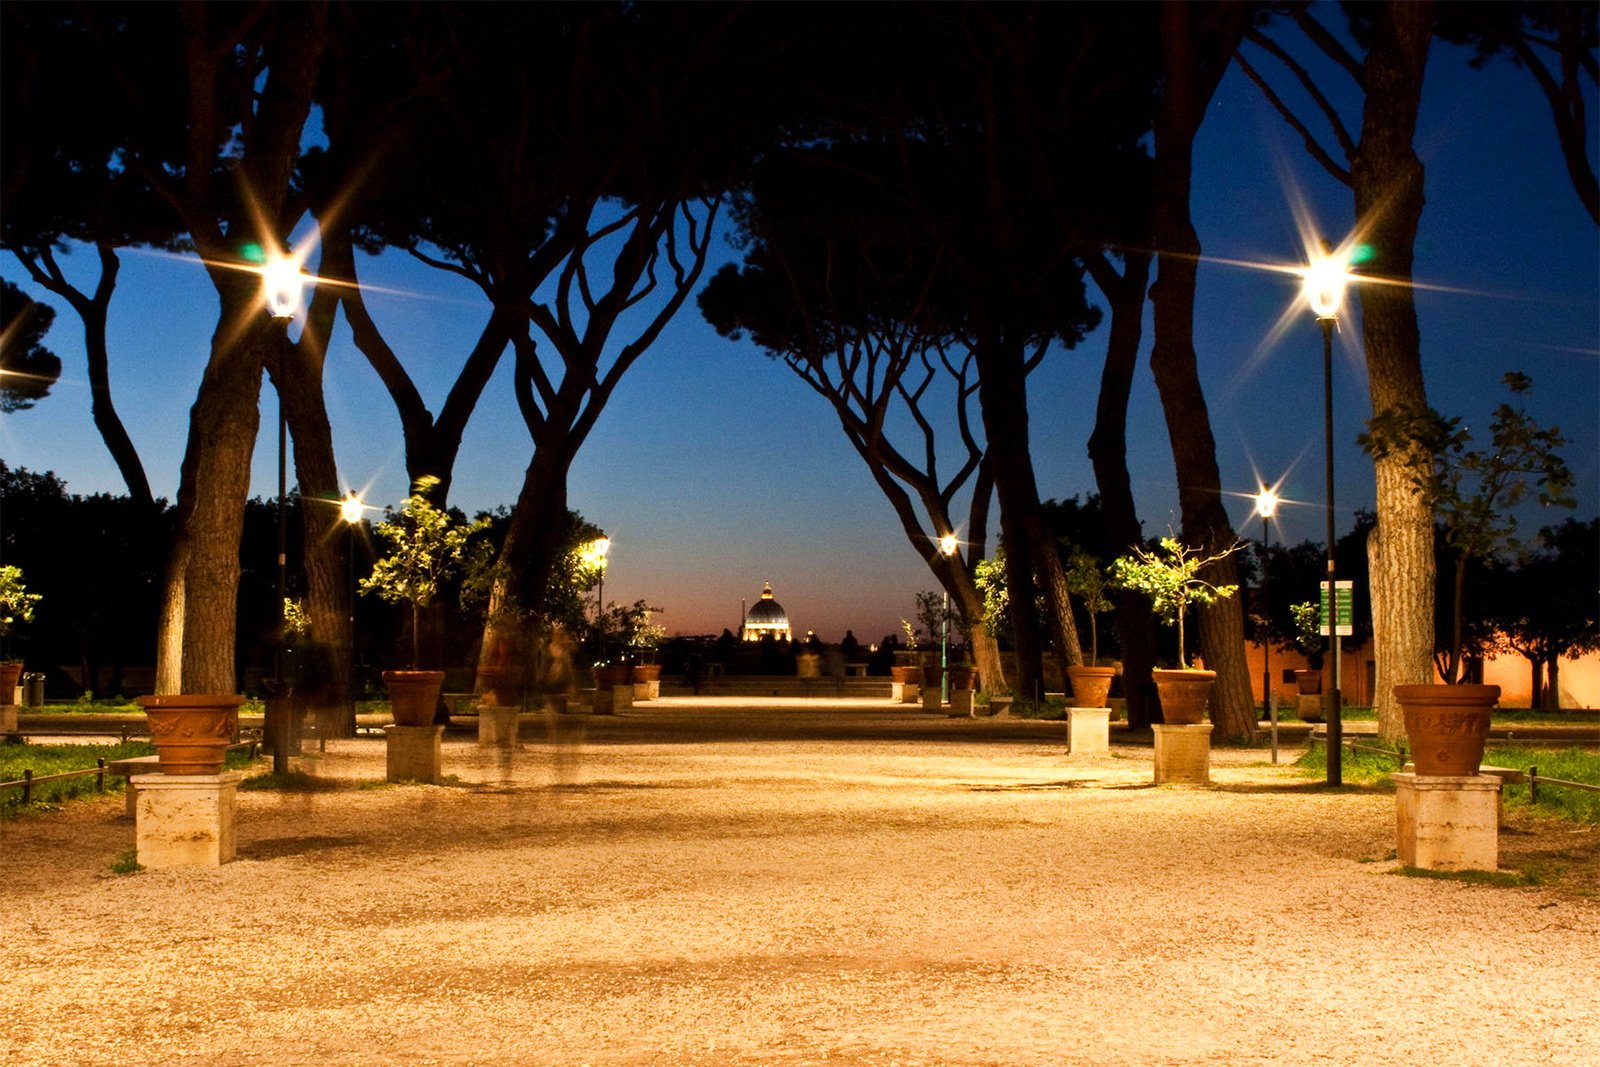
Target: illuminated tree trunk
<point x="1108" y="451"/>
<point x="1387" y="179"/>
<point x="1197" y="42"/>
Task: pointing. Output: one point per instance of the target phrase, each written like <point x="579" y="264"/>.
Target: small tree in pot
<point x="16" y="605"/>
<point x="425" y="546"/>
<point x="1472" y="492"/>
<point x="1170" y="577"/>
<point x="1090" y="584"/>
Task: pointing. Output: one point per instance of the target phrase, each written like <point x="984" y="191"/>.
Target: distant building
<point x="766" y="618"/>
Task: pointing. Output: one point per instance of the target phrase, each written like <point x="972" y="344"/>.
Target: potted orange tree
<point x="1472" y="493"/>
<point x="16" y="605"/>
<point x="425" y="546"/>
<point x="1170" y="577"/>
<point x="1090" y="682"/>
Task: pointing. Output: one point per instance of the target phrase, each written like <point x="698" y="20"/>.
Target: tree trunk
<point x="1003" y="402"/>
<point x="1552" y="689"/>
<point x="1108" y="451"/>
<point x="1387" y="179"/>
<point x="1535" y="682"/>
<point x="1191" y="79"/>
<point x="195" y="651"/>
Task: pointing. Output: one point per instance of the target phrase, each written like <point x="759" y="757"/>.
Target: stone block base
<point x="611" y="701"/>
<point x="185" y="820"/>
<point x="1447" y="824"/>
<point x="8" y="718"/>
<point x="1089" y="730"/>
<point x="643" y="691"/>
<point x="905" y="692"/>
<point x="931" y="701"/>
<point x="961" y="703"/>
<point x="556" y="702"/>
<point x="415" y="753"/>
<point x="1308" y="707"/>
<point x="1183" y="754"/>
<point x="497" y="727"/>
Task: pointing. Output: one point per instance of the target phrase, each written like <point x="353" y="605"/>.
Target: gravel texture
<point x="785" y="883"/>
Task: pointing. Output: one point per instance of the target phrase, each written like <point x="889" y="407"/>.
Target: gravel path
<point x="723" y="884"/>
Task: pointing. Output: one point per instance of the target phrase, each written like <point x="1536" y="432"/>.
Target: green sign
<point x="1346" y="592"/>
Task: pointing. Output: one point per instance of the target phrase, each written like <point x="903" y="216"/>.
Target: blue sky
<point x="714" y="469"/>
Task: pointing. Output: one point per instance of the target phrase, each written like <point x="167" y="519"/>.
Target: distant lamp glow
<point x="948" y="544"/>
<point x="281" y="282"/>
<point x="1324" y="285"/>
<point x="594" y="553"/>
<point x="350" y="509"/>
<point x="1266" y="503"/>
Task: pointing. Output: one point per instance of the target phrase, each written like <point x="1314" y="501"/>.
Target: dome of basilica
<point x="766" y="616"/>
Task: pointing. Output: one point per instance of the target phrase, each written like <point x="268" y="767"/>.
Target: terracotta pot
<point x="906" y="675"/>
<point x="962" y="678"/>
<point x="647" y="672"/>
<point x="1447" y="726"/>
<point x="931" y="676"/>
<point x="413" y="696"/>
<point x="1184" y="695"/>
<point x="10" y="675"/>
<point x="191" y="731"/>
<point x="1308" y="683"/>
<point x="612" y="675"/>
<point x="1090" y="685"/>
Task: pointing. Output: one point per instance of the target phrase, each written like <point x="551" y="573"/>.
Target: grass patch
<point x="1359" y="767"/>
<point x="1504" y="879"/>
<point x="1573" y="764"/>
<point x="1039" y="709"/>
<point x="127" y="863"/>
<point x="56" y="759"/>
<point x="292" y="782"/>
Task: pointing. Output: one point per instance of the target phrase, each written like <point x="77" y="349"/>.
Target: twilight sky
<point x="714" y="469"/>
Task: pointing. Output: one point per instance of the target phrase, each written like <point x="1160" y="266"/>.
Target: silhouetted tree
<point x="27" y="368"/>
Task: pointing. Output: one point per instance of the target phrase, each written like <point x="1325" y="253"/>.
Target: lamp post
<point x="594" y="555"/>
<point x="947" y="549"/>
<point x="281" y="282"/>
<point x="1325" y="280"/>
<point x="350" y="509"/>
<point x="1266" y="507"/>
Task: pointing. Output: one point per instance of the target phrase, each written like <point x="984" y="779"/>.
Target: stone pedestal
<point x="643" y="691"/>
<point x="556" y="702"/>
<point x="1089" y="731"/>
<point x="184" y="820"/>
<point x="415" y="753"/>
<point x="611" y="701"/>
<point x="1447" y="824"/>
<point x="1308" y="707"/>
<point x="8" y="718"/>
<point x="497" y="727"/>
<point x="931" y="701"/>
<point x="905" y="692"/>
<point x="1183" y="754"/>
<point x="961" y="703"/>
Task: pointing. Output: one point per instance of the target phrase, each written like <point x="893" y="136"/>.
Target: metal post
<point x="1267" y="694"/>
<point x="944" y="652"/>
<point x="1331" y="700"/>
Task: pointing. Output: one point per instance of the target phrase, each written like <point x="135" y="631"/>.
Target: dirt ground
<point x="716" y="882"/>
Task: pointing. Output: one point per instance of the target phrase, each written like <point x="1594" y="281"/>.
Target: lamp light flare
<point x="1266" y="503"/>
<point x="948" y="544"/>
<point x="281" y="284"/>
<point x="1325" y="281"/>
<point x="350" y="509"/>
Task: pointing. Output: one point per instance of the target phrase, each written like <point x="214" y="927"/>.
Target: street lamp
<point x="947" y="548"/>
<point x="1325" y="280"/>
<point x="281" y="283"/>
<point x="350" y="511"/>
<point x="1266" y="507"/>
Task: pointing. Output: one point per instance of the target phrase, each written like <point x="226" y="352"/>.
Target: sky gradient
<point x="714" y="469"/>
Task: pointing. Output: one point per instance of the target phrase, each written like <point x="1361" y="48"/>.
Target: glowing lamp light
<point x="350" y="509"/>
<point x="948" y="544"/>
<point x="281" y="282"/>
<point x="1324" y="285"/>
<point x="1266" y="503"/>
<point x="594" y="553"/>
